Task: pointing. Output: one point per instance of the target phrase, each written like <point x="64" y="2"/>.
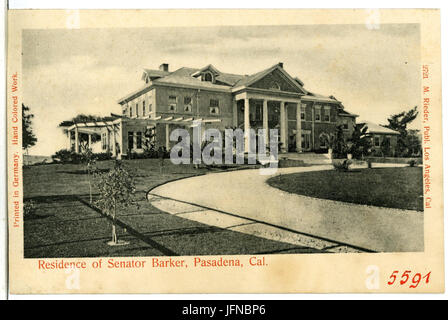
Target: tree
<point x="28" y="137"/>
<point x="335" y="141"/>
<point x="399" y="122"/>
<point x="116" y="191"/>
<point x="413" y="142"/>
<point x="360" y="143"/>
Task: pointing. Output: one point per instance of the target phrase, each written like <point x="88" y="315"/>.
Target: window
<point x="302" y="111"/>
<point x="125" y="110"/>
<point x="323" y="143"/>
<point x="150" y="107"/>
<point x="136" y="109"/>
<point x="214" y="103"/>
<point x="214" y="106"/>
<point x="130" y="112"/>
<point x="345" y="124"/>
<point x="187" y="100"/>
<point x="130" y="140"/>
<point x="144" y="108"/>
<point x="139" y="140"/>
<point x="317" y="113"/>
<point x="377" y="141"/>
<point x="187" y="104"/>
<point x="172" y="100"/>
<point x="208" y="77"/>
<point x="104" y="141"/>
<point x="327" y="114"/>
<point x="214" y="110"/>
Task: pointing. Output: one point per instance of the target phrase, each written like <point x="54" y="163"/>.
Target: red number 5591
<point x="406" y="276"/>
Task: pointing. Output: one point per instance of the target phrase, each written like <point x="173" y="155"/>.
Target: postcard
<point x="224" y="151"/>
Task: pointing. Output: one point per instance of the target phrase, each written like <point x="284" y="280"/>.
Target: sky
<point x="374" y="72"/>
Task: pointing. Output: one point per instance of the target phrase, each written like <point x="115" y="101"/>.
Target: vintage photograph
<point x="222" y="140"/>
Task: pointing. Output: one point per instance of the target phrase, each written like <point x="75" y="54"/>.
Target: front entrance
<point x="306" y="140"/>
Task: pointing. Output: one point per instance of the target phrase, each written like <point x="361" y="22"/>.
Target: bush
<point x="412" y="163"/>
<point x="148" y="154"/>
<point x="67" y="156"/>
<point x="29" y="208"/>
<point x="342" y="165"/>
<point x="102" y="156"/>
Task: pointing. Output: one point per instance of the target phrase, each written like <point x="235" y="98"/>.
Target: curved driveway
<point x="245" y="193"/>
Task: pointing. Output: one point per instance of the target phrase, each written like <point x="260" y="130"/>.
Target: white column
<point x="313" y="119"/>
<point x="282" y="126"/>
<point x="69" y="140"/>
<point x="114" y="142"/>
<point x="299" y="128"/>
<point x="265" y="121"/>
<point x="235" y="113"/>
<point x="76" y="140"/>
<point x="167" y="136"/>
<point x="246" y="125"/>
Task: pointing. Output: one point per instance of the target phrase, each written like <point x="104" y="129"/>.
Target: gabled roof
<point x="184" y="76"/>
<point x="210" y="67"/>
<point x="246" y="81"/>
<point x="223" y="81"/>
<point x="374" y="128"/>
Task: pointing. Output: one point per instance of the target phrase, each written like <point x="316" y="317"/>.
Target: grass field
<point x="65" y="225"/>
<point x="384" y="187"/>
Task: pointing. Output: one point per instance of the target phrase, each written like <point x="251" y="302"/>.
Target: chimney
<point x="280" y="64"/>
<point x="164" y="67"/>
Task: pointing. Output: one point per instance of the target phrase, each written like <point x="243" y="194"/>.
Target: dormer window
<point x="207" y="76"/>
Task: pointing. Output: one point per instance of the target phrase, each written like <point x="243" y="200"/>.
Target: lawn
<point x="65" y="225"/>
<point x="384" y="187"/>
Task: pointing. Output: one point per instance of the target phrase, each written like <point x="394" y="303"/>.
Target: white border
<point x="141" y="4"/>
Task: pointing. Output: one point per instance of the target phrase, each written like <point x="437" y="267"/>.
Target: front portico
<point x="269" y="110"/>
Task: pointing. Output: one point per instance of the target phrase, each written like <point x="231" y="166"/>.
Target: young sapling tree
<point x="116" y="192"/>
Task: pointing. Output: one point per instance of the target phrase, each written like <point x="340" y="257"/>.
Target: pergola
<point x="95" y="127"/>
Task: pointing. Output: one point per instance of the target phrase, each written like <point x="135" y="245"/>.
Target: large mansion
<point x="271" y="98"/>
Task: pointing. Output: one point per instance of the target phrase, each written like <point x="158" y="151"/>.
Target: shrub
<point x="342" y="165"/>
<point x="102" y="156"/>
<point x="67" y="156"/>
<point x="412" y="163"/>
<point x="29" y="208"/>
